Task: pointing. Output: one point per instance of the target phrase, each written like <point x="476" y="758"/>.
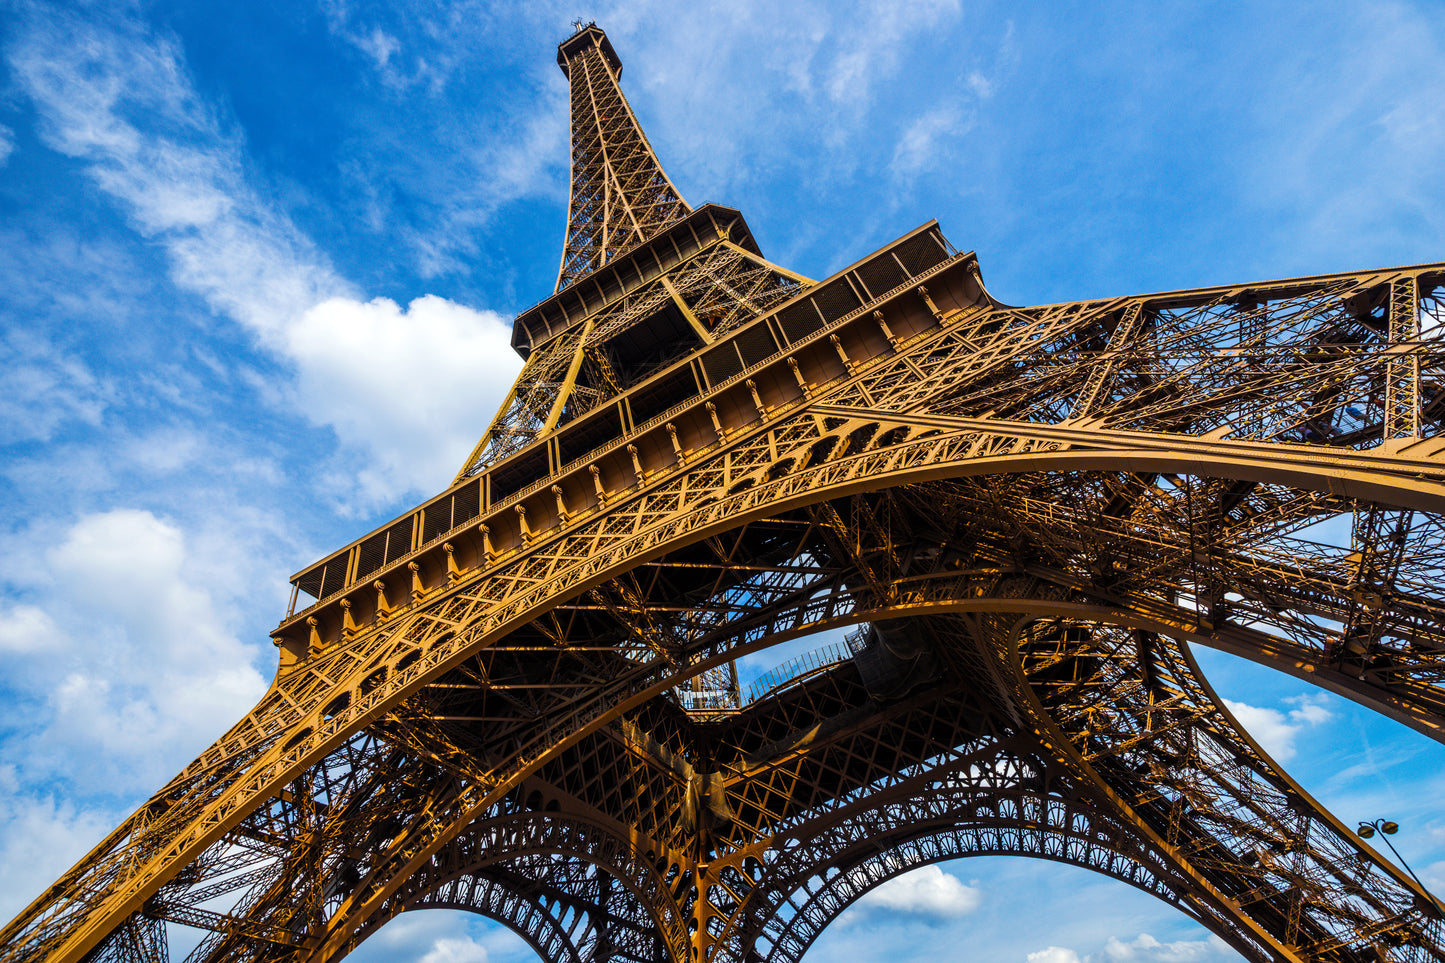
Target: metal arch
<point x="791" y="939"/>
<point x="1001" y="799"/>
<point x="1279" y="870"/>
<point x="485" y="844"/>
<point x="539" y="929"/>
<point x="566" y="929"/>
<point x="623" y="938"/>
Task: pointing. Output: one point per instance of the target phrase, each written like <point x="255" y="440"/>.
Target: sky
<point x="258" y="263"/>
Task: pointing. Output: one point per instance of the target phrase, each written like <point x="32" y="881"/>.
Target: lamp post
<point x="1388" y="829"/>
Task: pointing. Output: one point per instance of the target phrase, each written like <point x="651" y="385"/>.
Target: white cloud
<point x="7" y="144"/>
<point x="410" y="391"/>
<point x="43" y="389"/>
<point x="1144" y="948"/>
<point x="40" y="838"/>
<point x="463" y="950"/>
<point x="414" y="387"/>
<point x="1147" y="949"/>
<point x="123" y="656"/>
<point x="25" y="628"/>
<point x="926" y="891"/>
<point x="1054" y="954"/>
<point x="924" y="140"/>
<point x="1276" y="731"/>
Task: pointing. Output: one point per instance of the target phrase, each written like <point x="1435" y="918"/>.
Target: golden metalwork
<point x="518" y="698"/>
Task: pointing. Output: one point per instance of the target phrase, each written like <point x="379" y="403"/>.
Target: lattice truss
<point x="503" y="719"/>
<point x="620" y="194"/>
<point x="712" y="293"/>
<point x="1033" y="513"/>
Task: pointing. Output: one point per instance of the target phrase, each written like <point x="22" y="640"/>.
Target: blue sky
<point x="257" y="263"/>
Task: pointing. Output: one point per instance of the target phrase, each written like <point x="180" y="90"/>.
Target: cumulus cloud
<point x="127" y="648"/>
<point x="412" y="386"/>
<point x="927" y="891"/>
<point x="1054" y="954"/>
<point x="1144" y="948"/>
<point x="119" y="99"/>
<point x="1276" y="731"/>
<point x="463" y="950"/>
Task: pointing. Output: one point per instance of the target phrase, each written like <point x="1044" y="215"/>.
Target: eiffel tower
<point x="519" y="698"/>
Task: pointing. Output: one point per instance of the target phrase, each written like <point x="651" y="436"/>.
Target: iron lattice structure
<point x="517" y="698"/>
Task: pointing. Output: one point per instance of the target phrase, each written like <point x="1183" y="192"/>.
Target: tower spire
<point x="620" y="194"/>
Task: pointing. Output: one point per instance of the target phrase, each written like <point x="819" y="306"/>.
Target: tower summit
<point x="668" y="280"/>
<point x="620" y="194"/>
<point x="518" y="697"/>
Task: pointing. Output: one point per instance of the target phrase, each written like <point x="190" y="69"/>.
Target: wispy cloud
<point x="919" y="147"/>
<point x="1276" y="730"/>
<point x="42" y="388"/>
<point x="1142" y="949"/>
<point x="118" y="97"/>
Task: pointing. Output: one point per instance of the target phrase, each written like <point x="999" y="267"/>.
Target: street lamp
<point x="1388" y="829"/>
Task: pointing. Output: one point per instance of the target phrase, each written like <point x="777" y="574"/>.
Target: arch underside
<point x="588" y="893"/>
<point x="555" y="903"/>
<point x="567" y="920"/>
<point x="797" y="577"/>
<point x="1029" y="579"/>
<point x="820" y="901"/>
